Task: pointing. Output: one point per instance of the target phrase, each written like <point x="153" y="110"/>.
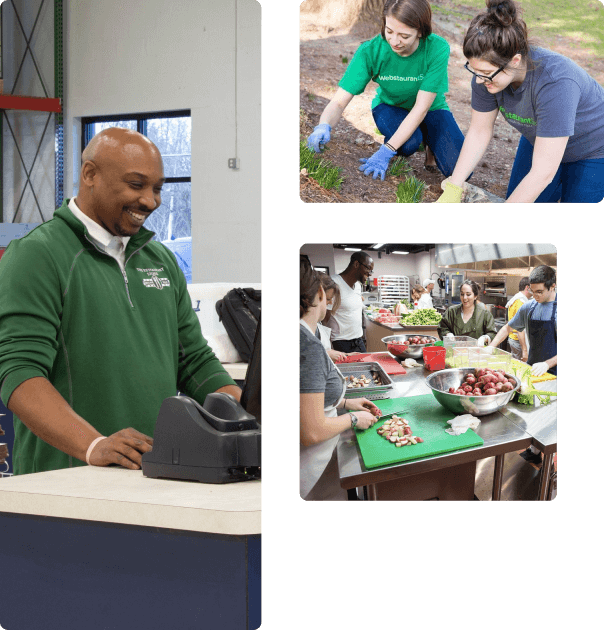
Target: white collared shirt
<point x="115" y="246"/>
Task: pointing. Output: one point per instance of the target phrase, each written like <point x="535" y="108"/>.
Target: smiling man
<point x="96" y="323"/>
<point x="121" y="180"/>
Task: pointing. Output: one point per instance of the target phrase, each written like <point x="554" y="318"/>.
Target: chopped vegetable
<point x="421" y="317"/>
<point x="528" y="390"/>
<point x="398" y="431"/>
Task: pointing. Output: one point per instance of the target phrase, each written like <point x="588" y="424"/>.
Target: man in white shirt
<point x="425" y="301"/>
<point x="349" y="318"/>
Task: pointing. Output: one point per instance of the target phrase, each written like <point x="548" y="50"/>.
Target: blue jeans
<point x="439" y="131"/>
<point x="574" y="182"/>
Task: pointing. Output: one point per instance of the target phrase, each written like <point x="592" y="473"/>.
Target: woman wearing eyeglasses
<point x="549" y="99"/>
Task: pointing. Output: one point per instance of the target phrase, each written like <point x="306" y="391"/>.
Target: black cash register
<point x="217" y="442"/>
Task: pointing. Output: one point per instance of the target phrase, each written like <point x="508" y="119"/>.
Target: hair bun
<point x="504" y="18"/>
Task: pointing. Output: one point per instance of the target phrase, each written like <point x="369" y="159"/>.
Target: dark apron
<point x="543" y="338"/>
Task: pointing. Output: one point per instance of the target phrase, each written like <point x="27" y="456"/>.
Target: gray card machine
<point x="218" y="442"/>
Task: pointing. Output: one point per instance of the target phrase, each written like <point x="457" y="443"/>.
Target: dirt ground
<point x="322" y="49"/>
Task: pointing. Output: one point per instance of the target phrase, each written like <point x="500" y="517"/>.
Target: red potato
<point x="480" y="372"/>
<point x="490" y="392"/>
<point x="498" y="387"/>
<point x="476" y="392"/>
<point x="418" y="439"/>
<point x="398" y="432"/>
<point x="507" y="387"/>
<point x="467" y="388"/>
<point x="470" y="379"/>
<point x="451" y="390"/>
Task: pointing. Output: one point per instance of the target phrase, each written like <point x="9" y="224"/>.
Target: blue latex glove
<point x="378" y="162"/>
<point x="320" y="136"/>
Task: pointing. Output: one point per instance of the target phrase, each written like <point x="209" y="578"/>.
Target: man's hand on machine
<point x="124" y="448"/>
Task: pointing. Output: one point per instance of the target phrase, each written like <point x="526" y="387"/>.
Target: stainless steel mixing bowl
<point x="412" y="352"/>
<point x="439" y="383"/>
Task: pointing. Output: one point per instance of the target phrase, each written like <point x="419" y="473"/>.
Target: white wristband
<point x="92" y="445"/>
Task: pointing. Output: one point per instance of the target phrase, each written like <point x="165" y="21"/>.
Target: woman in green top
<point x="469" y="318"/>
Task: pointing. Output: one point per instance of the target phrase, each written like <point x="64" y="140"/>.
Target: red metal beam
<point x="30" y="103"/>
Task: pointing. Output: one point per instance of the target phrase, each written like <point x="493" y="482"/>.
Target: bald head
<point x="121" y="179"/>
<point x="115" y="142"/>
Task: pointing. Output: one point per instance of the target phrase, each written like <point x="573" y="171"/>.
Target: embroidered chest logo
<point x="153" y="279"/>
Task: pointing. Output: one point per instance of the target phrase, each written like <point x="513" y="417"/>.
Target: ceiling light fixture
<point x="352" y="249"/>
<point x="399" y="252"/>
<point x="378" y="245"/>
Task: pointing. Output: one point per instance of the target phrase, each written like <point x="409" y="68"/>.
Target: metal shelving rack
<point x="49" y="104"/>
<point x="393" y="288"/>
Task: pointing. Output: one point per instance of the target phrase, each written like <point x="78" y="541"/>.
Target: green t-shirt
<point x="400" y="78"/>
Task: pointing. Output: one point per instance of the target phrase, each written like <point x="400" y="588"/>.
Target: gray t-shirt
<point x="542" y="312"/>
<point x="318" y="374"/>
<point x="556" y="99"/>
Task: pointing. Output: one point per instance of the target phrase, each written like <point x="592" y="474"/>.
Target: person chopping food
<point x="349" y="316"/>
<point x="324" y="412"/>
<point x="468" y="319"/>
<point x="96" y="323"/>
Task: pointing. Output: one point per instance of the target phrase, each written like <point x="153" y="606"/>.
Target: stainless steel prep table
<point x="105" y="547"/>
<point x="449" y="476"/>
<point x="541" y="423"/>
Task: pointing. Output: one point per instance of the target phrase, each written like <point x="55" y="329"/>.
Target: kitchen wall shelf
<point x="30" y="103"/>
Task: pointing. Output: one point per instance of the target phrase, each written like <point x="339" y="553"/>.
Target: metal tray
<point x="369" y="369"/>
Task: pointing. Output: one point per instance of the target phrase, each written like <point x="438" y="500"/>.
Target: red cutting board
<point x="427" y="418"/>
<point x="390" y="364"/>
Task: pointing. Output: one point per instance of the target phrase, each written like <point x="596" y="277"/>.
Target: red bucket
<point x="434" y="357"/>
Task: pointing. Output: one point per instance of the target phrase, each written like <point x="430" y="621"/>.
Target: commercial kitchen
<point x="483" y="463"/>
<point x="176" y="541"/>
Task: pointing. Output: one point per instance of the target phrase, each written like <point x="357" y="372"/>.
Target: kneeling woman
<point x="322" y="390"/>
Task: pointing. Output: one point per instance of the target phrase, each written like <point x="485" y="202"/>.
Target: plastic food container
<point x="458" y="350"/>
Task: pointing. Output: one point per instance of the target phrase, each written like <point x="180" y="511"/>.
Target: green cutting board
<point x="427" y="418"/>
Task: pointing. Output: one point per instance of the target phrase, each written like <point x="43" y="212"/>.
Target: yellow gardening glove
<point x="452" y="194"/>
